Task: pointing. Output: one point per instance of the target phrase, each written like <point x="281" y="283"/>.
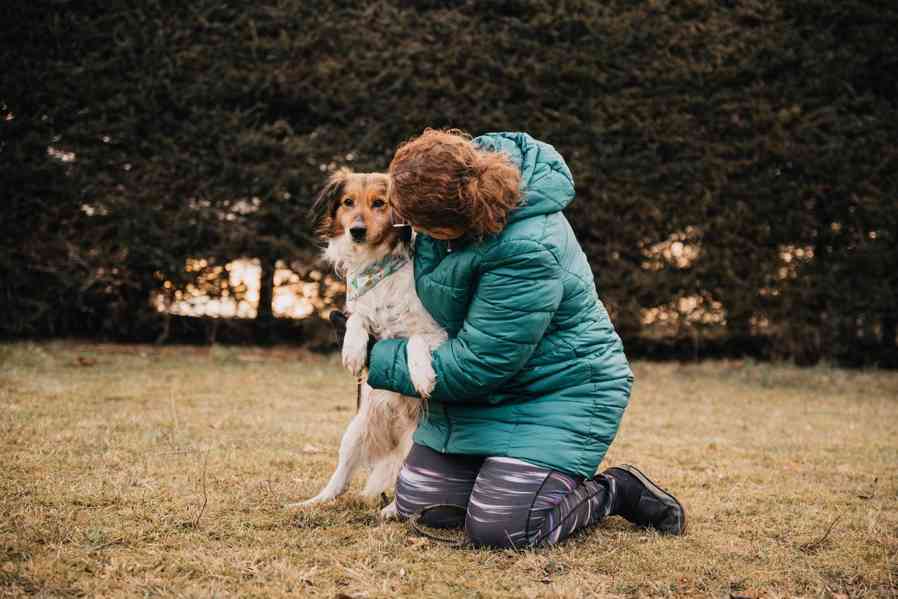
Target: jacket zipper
<point x="448" y="428"/>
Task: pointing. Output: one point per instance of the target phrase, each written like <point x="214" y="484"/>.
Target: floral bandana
<point x="364" y="281"/>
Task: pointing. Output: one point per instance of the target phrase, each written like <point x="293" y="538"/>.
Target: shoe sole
<point x="658" y="492"/>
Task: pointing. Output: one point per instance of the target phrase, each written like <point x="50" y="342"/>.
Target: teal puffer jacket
<point x="533" y="368"/>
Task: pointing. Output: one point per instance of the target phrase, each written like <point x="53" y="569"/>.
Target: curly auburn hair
<point x="440" y="179"/>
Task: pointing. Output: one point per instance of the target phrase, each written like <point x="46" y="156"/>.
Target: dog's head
<point x="355" y="205"/>
<point x="353" y="214"/>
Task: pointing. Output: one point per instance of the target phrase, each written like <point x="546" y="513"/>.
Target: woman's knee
<point x="412" y="492"/>
<point x="502" y="503"/>
<point x="415" y="501"/>
<point x="494" y="533"/>
<point x="428" y="481"/>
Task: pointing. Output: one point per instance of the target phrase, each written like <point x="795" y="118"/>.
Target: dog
<point x="373" y="253"/>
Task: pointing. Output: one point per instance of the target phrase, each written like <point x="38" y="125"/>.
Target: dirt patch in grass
<point x="140" y="471"/>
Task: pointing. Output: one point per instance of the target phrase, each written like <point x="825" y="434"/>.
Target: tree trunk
<point x="264" y="313"/>
<point x="822" y="314"/>
<point x="889" y="332"/>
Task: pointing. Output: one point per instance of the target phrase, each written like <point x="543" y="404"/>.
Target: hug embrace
<point x="495" y="379"/>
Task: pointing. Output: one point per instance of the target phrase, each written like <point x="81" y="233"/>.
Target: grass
<point x="139" y="471"/>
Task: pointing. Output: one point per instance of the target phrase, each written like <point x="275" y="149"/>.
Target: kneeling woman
<point x="532" y="384"/>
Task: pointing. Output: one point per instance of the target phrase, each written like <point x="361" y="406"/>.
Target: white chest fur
<point x="392" y="309"/>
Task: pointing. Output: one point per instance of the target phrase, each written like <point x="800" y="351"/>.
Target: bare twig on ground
<point x="104" y="545"/>
<point x="807" y="547"/>
<point x="174" y="418"/>
<point x="196" y="522"/>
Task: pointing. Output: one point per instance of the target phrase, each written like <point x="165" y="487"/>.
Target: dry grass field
<point x="139" y="471"/>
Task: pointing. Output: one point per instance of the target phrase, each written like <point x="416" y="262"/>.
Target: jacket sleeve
<point x="516" y="297"/>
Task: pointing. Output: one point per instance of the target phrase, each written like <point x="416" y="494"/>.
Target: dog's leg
<point x="420" y="368"/>
<point x="350" y="458"/>
<point x="383" y="475"/>
<point x="395" y="430"/>
<point x="355" y="345"/>
<point x="405" y="445"/>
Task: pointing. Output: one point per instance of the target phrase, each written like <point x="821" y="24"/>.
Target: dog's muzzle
<point x="358" y="233"/>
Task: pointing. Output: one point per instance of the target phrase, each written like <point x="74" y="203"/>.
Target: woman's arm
<point x="516" y="297"/>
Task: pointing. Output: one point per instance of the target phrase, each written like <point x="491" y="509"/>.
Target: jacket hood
<point x="546" y="181"/>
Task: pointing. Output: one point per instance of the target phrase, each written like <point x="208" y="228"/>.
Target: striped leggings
<point x="506" y="502"/>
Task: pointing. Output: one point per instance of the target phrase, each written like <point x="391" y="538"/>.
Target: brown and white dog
<point x="375" y="259"/>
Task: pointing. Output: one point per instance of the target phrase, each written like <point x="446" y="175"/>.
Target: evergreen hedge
<point x="735" y="161"/>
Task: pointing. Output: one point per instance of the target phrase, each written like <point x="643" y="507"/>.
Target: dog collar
<point x="367" y="279"/>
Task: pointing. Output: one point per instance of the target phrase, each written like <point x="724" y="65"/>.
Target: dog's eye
<point x="378" y="204"/>
<point x="348" y="202"/>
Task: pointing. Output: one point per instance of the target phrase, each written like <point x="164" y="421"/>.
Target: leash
<point x="445" y="540"/>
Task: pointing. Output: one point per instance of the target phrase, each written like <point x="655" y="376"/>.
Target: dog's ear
<point x="328" y="200"/>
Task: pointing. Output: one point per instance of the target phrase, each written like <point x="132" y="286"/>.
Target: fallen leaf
<point x="871" y="493"/>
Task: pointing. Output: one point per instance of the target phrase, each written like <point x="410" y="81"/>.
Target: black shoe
<point x="644" y="503"/>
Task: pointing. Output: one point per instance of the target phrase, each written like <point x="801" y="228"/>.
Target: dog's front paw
<point x="355" y="353"/>
<point x="390" y="512"/>
<point x="420" y="368"/>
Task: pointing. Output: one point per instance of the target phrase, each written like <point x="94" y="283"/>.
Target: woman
<point x="532" y="384"/>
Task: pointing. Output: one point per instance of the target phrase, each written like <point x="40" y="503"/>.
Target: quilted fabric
<point x="533" y="368"/>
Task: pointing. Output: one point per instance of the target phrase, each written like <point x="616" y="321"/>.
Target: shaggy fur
<point x="358" y="226"/>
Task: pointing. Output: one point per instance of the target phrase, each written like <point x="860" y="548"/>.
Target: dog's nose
<point x="358" y="233"/>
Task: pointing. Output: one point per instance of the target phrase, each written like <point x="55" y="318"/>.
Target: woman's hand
<point x="338" y="321"/>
